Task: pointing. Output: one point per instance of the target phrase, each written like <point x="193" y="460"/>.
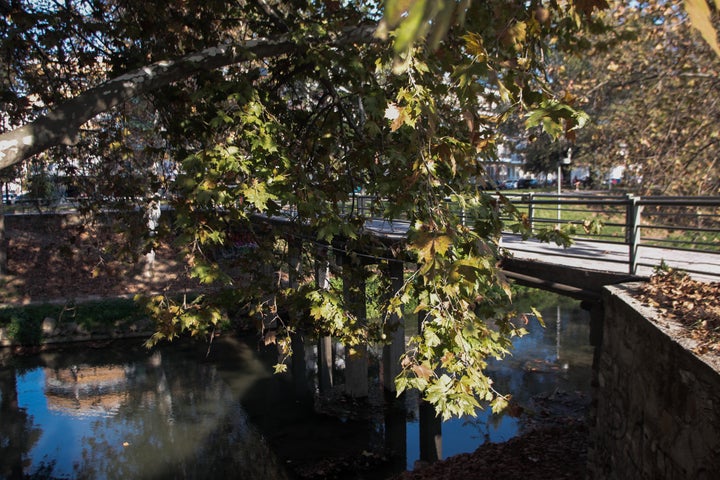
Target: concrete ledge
<point x="76" y="338"/>
<point x="658" y="403"/>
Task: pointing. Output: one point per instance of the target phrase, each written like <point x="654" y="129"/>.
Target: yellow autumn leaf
<point x="399" y="121"/>
<point x="475" y="47"/>
<point x="429" y="245"/>
<point x="422" y="371"/>
<point x="270" y="338"/>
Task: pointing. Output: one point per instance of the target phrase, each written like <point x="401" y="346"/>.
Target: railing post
<point x="531" y="210"/>
<point x="632" y="231"/>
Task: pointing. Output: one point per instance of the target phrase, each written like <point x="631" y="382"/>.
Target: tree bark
<point x="62" y="123"/>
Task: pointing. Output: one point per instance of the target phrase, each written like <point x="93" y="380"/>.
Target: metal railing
<point x="670" y="224"/>
<point x="688" y="225"/>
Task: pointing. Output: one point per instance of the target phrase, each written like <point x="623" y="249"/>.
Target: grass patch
<point x="88" y="314"/>
<point x="24" y="324"/>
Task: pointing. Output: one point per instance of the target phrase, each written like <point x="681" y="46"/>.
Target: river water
<point x="117" y="410"/>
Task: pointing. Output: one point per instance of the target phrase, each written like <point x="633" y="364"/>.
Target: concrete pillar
<point x="356" y="356"/>
<point x="596" y="310"/>
<point x="298" y="362"/>
<point x="396" y="415"/>
<point x="294" y="261"/>
<point x="3" y="245"/>
<point x="152" y="218"/>
<point x="396" y="347"/>
<point x="430" y="424"/>
<point x="325" y="354"/>
<point x="430" y="433"/>
<point x="396" y="409"/>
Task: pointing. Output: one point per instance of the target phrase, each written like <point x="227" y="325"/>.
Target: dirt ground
<point x="79" y="262"/>
<point x="551" y="453"/>
<point x="553" y="445"/>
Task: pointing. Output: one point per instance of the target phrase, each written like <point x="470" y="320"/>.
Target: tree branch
<point x="61" y="124"/>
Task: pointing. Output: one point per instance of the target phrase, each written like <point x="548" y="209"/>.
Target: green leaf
<point x="499" y="404"/>
<point x="552" y="115"/>
<point x="257" y="194"/>
<point x="538" y="315"/>
<point x="412" y="26"/>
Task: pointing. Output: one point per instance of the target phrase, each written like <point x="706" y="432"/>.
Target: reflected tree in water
<point x="17" y="432"/>
<point x="179" y="419"/>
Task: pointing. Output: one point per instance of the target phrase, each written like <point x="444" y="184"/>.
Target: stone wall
<point x="658" y="404"/>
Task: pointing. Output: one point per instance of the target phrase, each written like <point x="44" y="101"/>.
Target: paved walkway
<point x="613" y="257"/>
<point x="601" y="256"/>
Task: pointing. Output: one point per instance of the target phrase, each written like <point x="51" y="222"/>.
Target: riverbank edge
<point x="75" y="333"/>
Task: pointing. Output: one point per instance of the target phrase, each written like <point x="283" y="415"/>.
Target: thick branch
<point x="61" y="124"/>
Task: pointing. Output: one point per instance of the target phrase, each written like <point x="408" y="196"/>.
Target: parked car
<point x="527" y="183"/>
<point x="24" y="199"/>
<point x="8" y="198"/>
<point x="509" y="184"/>
<point x="27" y="199"/>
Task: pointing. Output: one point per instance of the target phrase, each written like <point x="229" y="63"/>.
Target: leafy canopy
<point x="318" y="108"/>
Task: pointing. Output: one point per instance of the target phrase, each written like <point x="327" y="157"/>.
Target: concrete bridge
<point x="581" y="271"/>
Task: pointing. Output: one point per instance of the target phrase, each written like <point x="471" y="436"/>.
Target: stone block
<point x="49" y="325"/>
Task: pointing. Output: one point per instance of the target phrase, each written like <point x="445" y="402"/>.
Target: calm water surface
<point x="120" y="411"/>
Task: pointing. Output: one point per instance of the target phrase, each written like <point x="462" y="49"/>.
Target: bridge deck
<point x="582" y="269"/>
<point x="613" y="257"/>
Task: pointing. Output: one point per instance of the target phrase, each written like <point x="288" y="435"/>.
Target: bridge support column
<point x="3" y="246"/>
<point x="324" y="347"/>
<point x="430" y="424"/>
<point x="396" y="431"/>
<point x="597" y="316"/>
<point x="396" y="409"/>
<point x="298" y="365"/>
<point x="396" y="348"/>
<point x="356" y="356"/>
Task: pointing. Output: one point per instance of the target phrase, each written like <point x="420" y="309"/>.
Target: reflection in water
<point x="85" y="390"/>
<point x="166" y="414"/>
<point x="124" y="412"/>
<point x="555" y="358"/>
<point x="17" y="432"/>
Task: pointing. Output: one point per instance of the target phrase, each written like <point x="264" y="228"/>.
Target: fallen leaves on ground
<point x="695" y="304"/>
<point x="547" y="453"/>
